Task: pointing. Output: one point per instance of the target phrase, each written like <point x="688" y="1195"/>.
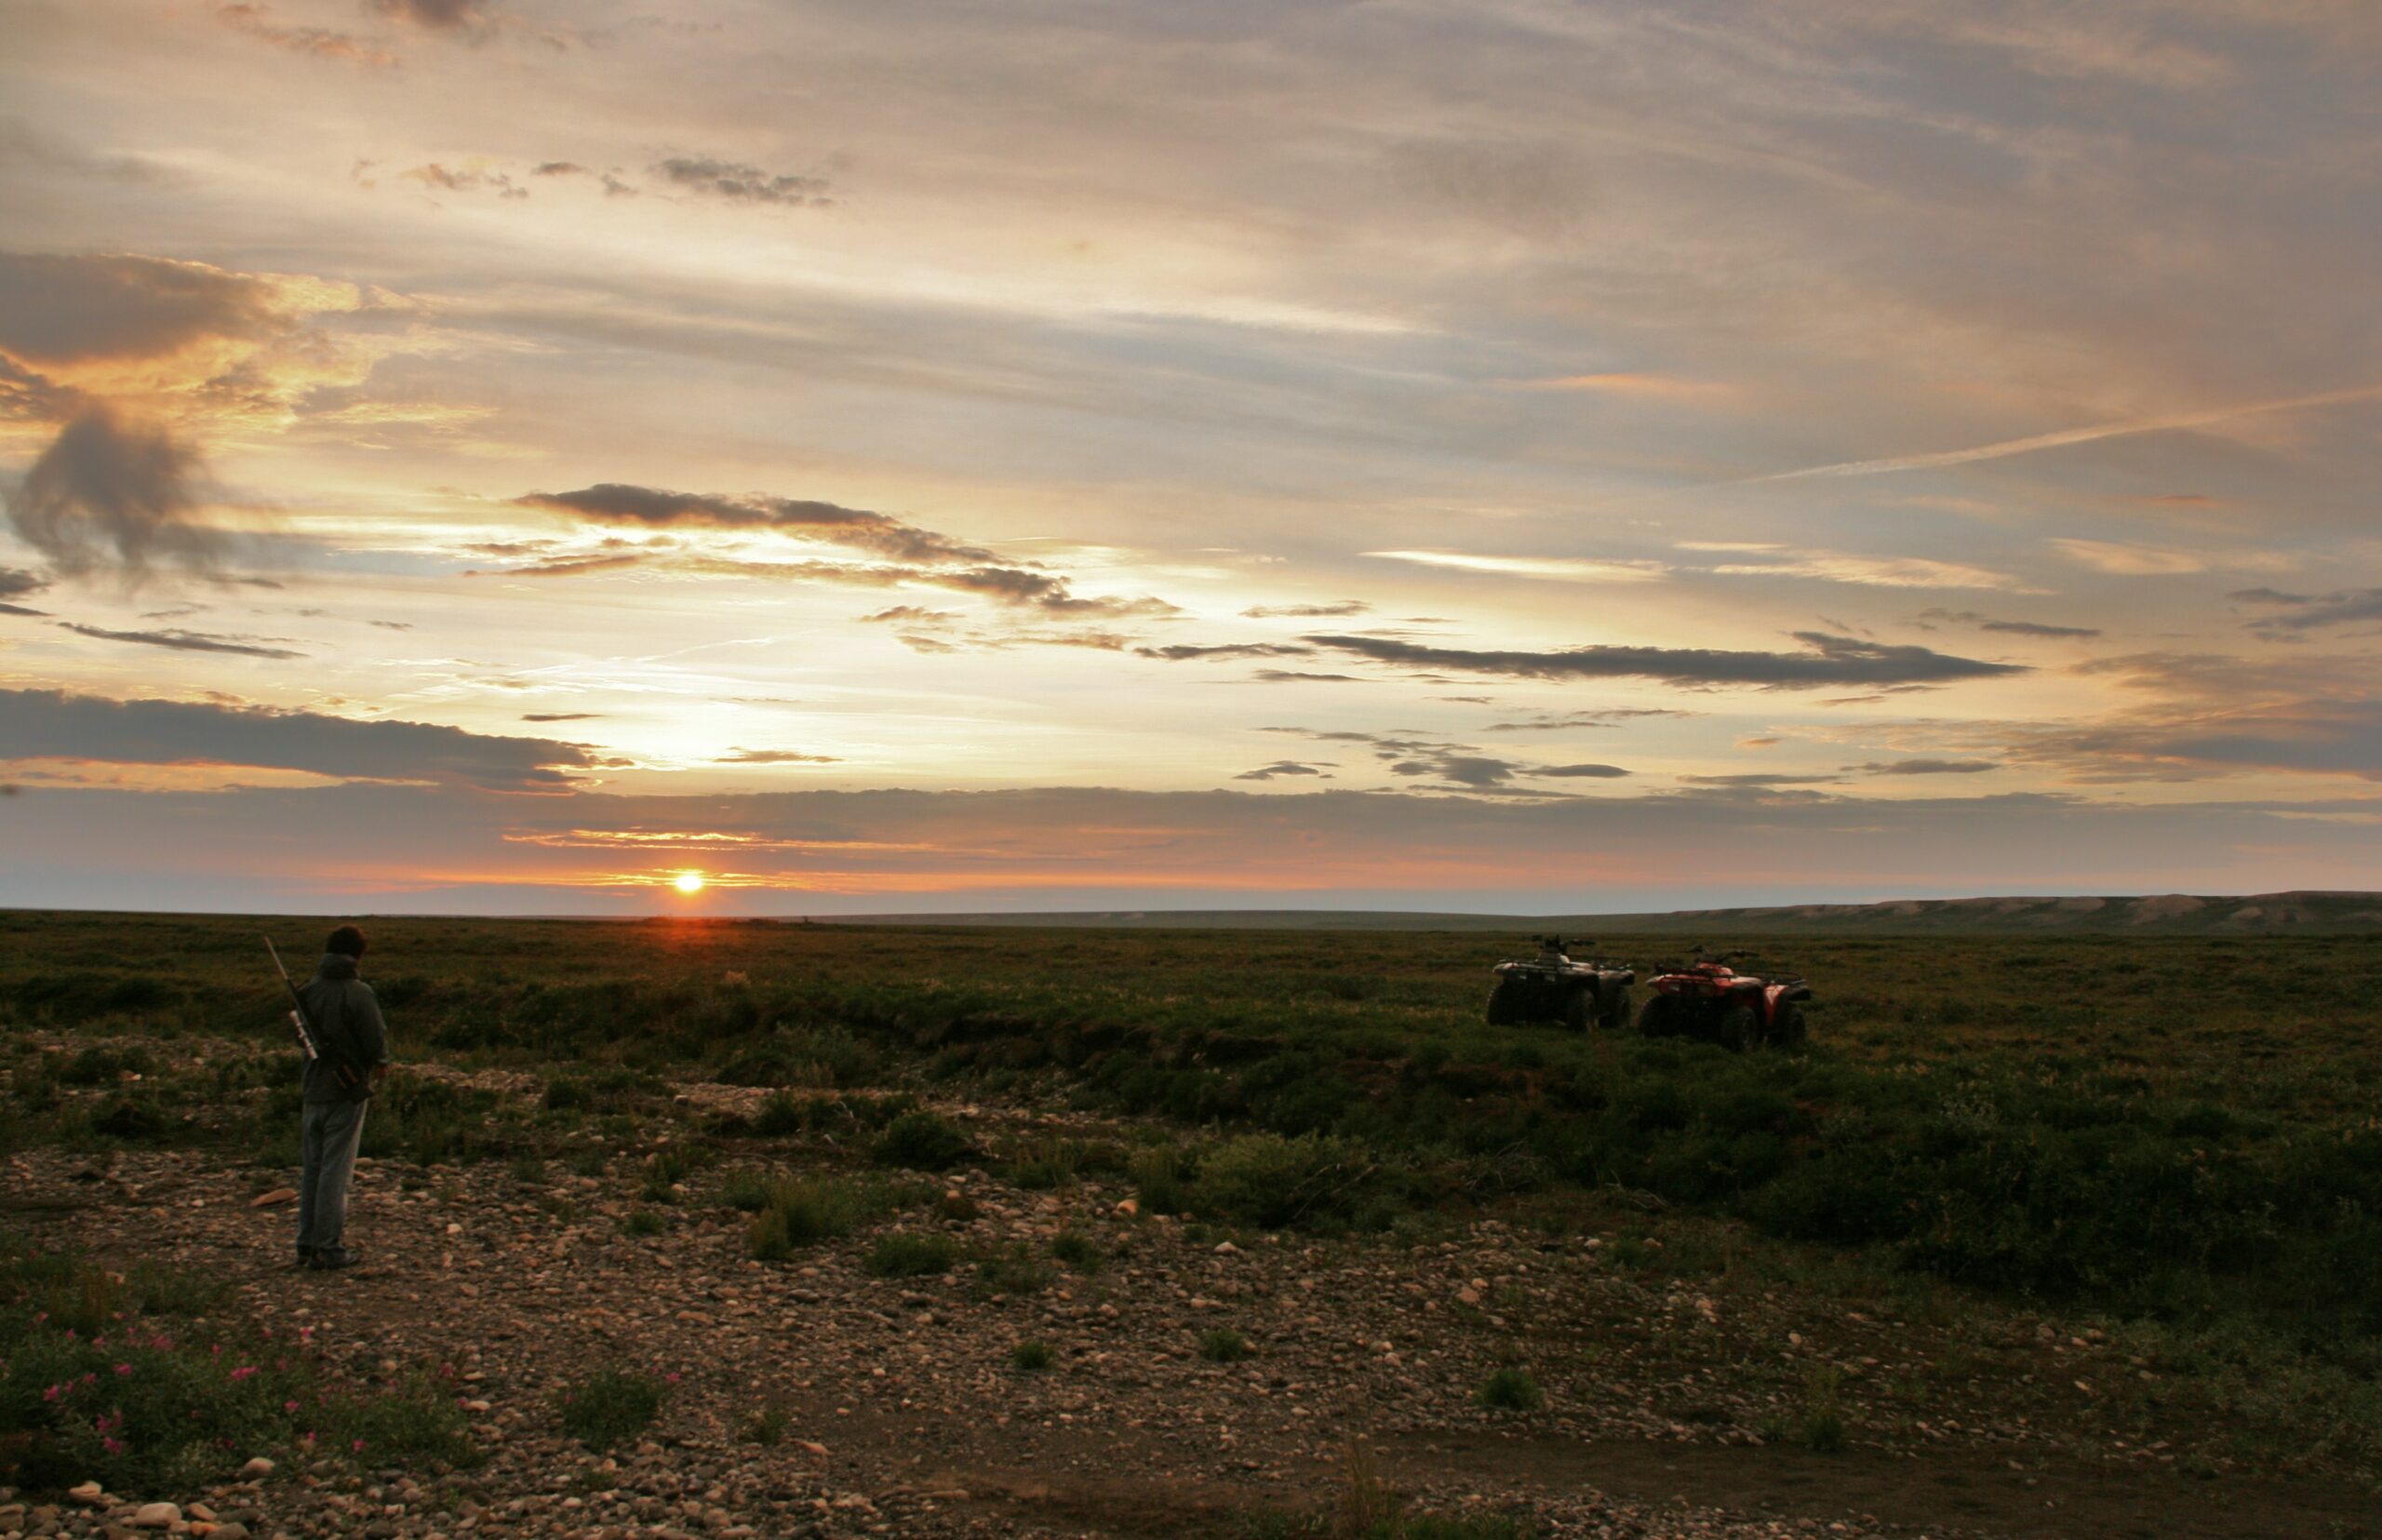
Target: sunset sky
<point x="501" y="455"/>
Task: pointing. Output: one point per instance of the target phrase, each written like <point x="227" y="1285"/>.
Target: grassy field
<point x="2180" y="1136"/>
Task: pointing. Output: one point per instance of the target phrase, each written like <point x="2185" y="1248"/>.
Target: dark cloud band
<point x="1827" y="660"/>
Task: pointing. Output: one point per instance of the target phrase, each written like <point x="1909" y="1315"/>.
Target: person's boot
<point x="305" y="1256"/>
<point x="330" y="1259"/>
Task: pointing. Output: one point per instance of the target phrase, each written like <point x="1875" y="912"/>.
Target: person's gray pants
<point x="327" y="1142"/>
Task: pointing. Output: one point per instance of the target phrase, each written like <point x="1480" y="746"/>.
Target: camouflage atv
<point x="1551" y="987"/>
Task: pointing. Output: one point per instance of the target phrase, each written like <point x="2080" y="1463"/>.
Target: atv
<point x="1551" y="987"/>
<point x="1709" y="999"/>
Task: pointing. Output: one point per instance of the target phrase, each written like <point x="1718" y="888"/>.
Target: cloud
<point x="184" y="641"/>
<point x="174" y="341"/>
<point x="1555" y="568"/>
<point x="2134" y="561"/>
<point x="1306" y="611"/>
<point x="913" y="614"/>
<point x="2311" y="612"/>
<point x="1659" y="387"/>
<point x="1475" y="770"/>
<point x="105" y="492"/>
<point x="465" y="180"/>
<point x="1602" y="717"/>
<point x="1290" y="677"/>
<point x="56" y="725"/>
<point x="1599" y="772"/>
<point x="1537" y="191"/>
<point x="1281" y="767"/>
<point x="1180" y="651"/>
<point x="1923" y="767"/>
<point x="2303" y="737"/>
<point x="320" y="42"/>
<point x="561" y="715"/>
<point x="16" y="582"/>
<point x="1867" y="571"/>
<point x="1825" y="660"/>
<point x="2007" y="628"/>
<point x="740" y="183"/>
<point x="1756" y="782"/>
<point x="932" y="559"/>
<point x="434" y="14"/>
<point x="2162" y="422"/>
<point x="885" y="535"/>
<point x="773" y="756"/>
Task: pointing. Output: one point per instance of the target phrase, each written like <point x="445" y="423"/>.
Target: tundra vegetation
<point x="2178" y="1138"/>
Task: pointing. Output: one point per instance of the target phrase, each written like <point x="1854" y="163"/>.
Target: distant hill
<point x="2162" y="914"/>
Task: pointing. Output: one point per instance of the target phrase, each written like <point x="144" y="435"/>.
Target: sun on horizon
<point x="689" y="882"/>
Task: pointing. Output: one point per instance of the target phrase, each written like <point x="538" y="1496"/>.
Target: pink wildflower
<point x="243" y="1372"/>
<point x="358" y="1447"/>
<point x="289" y="1406"/>
<point x="51" y="1394"/>
<point x="114" y="1446"/>
<point x="123" y="1368"/>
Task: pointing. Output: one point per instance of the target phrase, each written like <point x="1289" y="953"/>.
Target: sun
<point x="689" y="882"/>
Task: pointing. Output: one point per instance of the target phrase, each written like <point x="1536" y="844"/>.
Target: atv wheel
<point x="1616" y="1008"/>
<point x="1506" y="1003"/>
<point x="1788" y="1031"/>
<point x="1660" y="1018"/>
<point x="1740" y="1028"/>
<point x="1579" y="1009"/>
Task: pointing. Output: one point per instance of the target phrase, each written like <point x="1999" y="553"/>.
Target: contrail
<point x="2065" y="437"/>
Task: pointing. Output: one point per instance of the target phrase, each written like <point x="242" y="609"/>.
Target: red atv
<point x="1709" y="999"/>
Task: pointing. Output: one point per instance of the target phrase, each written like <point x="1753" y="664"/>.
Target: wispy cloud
<point x="735" y="182"/>
<point x="2036" y="443"/>
<point x="1824" y="661"/>
<point x="2136" y="561"/>
<point x="55" y="724"/>
<point x="1558" y="568"/>
<point x="2305" y="612"/>
<point x="185" y="641"/>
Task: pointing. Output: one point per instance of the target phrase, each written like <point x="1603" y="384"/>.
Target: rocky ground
<point x="811" y="1398"/>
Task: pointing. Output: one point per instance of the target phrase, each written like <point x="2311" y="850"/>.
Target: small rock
<point x="156" y="1516"/>
<point x="256" y="1468"/>
<point x="1126" y="1208"/>
<point x="90" y="1494"/>
<point x="269" y="1200"/>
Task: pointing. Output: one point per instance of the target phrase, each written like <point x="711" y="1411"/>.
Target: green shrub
<point x="1823" y="1422"/>
<point x="612" y="1407"/>
<point x="1010" y="1269"/>
<point x="766" y="1427"/>
<point x="1046" y="1164"/>
<point x="745" y="1188"/>
<point x="113" y="1381"/>
<point x="1032" y="1358"/>
<point x="1224" y="1346"/>
<point x="643" y="1222"/>
<point x="1509" y="1390"/>
<point x="1160" y="1176"/>
<point x="921" y="1140"/>
<point x="1078" y="1251"/>
<point x="902" y="1254"/>
<point x="804" y="1211"/>
<point x="1269" y="1180"/>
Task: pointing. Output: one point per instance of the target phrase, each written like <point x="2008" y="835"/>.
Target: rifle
<point x="341" y="1070"/>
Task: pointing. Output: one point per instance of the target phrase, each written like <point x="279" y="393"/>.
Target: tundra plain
<point x="752" y="1228"/>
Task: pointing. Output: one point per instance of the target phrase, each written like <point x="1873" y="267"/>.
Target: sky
<point x="506" y="456"/>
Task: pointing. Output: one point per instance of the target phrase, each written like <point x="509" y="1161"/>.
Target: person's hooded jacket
<point x="348" y="1030"/>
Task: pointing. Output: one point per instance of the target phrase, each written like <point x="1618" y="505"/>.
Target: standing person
<point x="349" y="1037"/>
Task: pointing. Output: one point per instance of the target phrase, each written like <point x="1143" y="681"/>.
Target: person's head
<point x="347" y="940"/>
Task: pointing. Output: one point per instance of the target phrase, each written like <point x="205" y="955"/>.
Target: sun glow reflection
<point x="689" y="882"/>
